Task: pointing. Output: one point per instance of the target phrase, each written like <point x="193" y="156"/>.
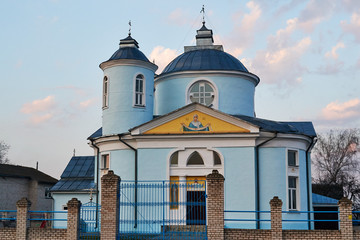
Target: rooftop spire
<point x="203" y="12"/>
<point x="129" y="27"/>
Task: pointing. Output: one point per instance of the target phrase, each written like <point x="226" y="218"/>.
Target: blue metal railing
<point x="47" y="219"/>
<point x="7" y="218"/>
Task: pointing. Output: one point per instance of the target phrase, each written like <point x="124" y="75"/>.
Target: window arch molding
<point x="139" y="90"/>
<point x="215" y="102"/>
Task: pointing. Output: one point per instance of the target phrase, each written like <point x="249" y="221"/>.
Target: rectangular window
<point x="174" y="192"/>
<point x="292" y="158"/>
<point x="105" y="161"/>
<point x="292" y="191"/>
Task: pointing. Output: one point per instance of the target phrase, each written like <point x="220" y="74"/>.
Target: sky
<point x="306" y="53"/>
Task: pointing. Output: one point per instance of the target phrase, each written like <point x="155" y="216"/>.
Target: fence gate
<point x="89" y="222"/>
<point x="163" y="210"/>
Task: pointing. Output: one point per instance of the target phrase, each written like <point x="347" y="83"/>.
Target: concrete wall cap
<point x="110" y="176"/>
<point x="344" y="201"/>
<point x="74" y="202"/>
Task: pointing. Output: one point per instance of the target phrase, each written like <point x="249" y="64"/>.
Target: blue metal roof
<point x="77" y="176"/>
<point x="323" y="200"/>
<point x="97" y="133"/>
<point x="204" y="59"/>
<point x="304" y="128"/>
<point x="129" y="53"/>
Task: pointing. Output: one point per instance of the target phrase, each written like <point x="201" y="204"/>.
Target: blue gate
<point x="90" y="221"/>
<point x="162" y="210"/>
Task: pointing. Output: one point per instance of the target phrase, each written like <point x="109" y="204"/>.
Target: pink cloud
<point x="353" y="26"/>
<point x="37" y="119"/>
<point x="339" y="111"/>
<point x="162" y="56"/>
<point x="41" y="105"/>
<point x="87" y="103"/>
<point x="333" y="53"/>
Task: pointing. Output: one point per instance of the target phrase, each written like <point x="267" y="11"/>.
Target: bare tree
<point x="4" y="148"/>
<point x="336" y="160"/>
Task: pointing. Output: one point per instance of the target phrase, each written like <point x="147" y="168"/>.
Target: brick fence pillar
<point x="276" y="218"/>
<point x="73" y="219"/>
<point x="110" y="187"/>
<point x="215" y="205"/>
<point x="346" y="228"/>
<point x="22" y="218"/>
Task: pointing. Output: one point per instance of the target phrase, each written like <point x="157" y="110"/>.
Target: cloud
<point x="243" y="23"/>
<point x="37" y="119"/>
<point x="352" y="27"/>
<point x="333" y="54"/>
<point x="314" y="13"/>
<point x="339" y="112"/>
<point x="179" y="17"/>
<point x="41" y="105"/>
<point x="282" y="54"/>
<point x="162" y="56"/>
<point x="88" y="103"/>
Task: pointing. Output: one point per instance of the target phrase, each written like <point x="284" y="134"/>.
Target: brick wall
<point x="7" y="233"/>
<point x="46" y="234"/>
<point x="248" y="234"/>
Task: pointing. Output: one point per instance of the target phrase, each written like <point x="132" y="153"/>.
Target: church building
<point x="197" y="116"/>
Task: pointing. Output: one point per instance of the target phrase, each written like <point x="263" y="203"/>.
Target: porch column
<point x="110" y="189"/>
<point x="215" y="205"/>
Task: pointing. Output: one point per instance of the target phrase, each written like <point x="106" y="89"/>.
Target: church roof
<point x="129" y="53"/>
<point x="77" y="176"/>
<point x="318" y="199"/>
<point x="302" y="128"/>
<point x="8" y="170"/>
<point x="204" y="59"/>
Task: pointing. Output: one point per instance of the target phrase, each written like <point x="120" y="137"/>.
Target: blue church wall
<point x="122" y="163"/>
<point x="273" y="178"/>
<point x="121" y="115"/>
<point x="152" y="164"/>
<point x="235" y="96"/>
<point x="239" y="171"/>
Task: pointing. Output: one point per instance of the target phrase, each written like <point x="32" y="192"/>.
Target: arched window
<point x="217" y="160"/>
<point x="139" y="91"/>
<point x="174" y="159"/>
<point x="195" y="159"/>
<point x="202" y="92"/>
<point x="105" y="92"/>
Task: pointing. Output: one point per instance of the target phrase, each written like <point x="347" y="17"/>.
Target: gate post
<point x="73" y="219"/>
<point x="110" y="188"/>
<point x="215" y="205"/>
<point x="276" y="218"/>
<point x="22" y="218"/>
<point x="346" y="227"/>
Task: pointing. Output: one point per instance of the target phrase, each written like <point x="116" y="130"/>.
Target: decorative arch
<point x="174" y="159"/>
<point x="217" y="159"/>
<point x="204" y="91"/>
<point x="195" y="159"/>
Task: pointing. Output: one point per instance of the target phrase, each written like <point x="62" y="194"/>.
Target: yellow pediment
<point x="196" y="122"/>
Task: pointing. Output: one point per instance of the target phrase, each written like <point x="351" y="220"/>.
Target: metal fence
<point x="162" y="210"/>
<point x="90" y="219"/>
<point x="7" y="218"/>
<point x="47" y="219"/>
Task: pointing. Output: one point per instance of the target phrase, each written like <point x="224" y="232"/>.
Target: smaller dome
<point x="204" y="59"/>
<point x="129" y="49"/>
<point x="129" y="53"/>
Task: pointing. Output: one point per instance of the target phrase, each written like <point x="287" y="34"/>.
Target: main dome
<point x="204" y="59"/>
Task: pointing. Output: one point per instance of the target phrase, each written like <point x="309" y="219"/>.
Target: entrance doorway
<point x="195" y="208"/>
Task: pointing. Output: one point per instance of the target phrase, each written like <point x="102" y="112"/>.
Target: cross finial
<point x="203" y="12"/>
<point x="74" y="152"/>
<point x="129" y="27"/>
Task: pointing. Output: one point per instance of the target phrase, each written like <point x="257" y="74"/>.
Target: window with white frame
<point x="105" y="161"/>
<point x="174" y="159"/>
<point x="139" y="91"/>
<point x="292" y="193"/>
<point x="195" y="159"/>
<point x="202" y="92"/>
<point x="292" y="158"/>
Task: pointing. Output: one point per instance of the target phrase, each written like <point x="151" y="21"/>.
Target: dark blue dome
<point x="129" y="53"/>
<point x="204" y="59"/>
